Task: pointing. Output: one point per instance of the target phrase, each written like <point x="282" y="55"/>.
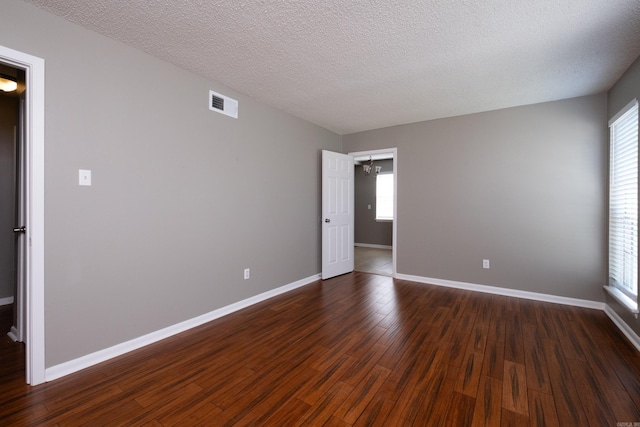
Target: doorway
<point x="30" y="142"/>
<point x="376" y="233"/>
<point x="11" y="244"/>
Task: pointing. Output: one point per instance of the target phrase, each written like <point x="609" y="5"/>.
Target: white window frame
<point x="381" y="217"/>
<point x="623" y="207"/>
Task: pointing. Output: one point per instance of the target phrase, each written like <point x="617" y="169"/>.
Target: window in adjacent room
<point x="384" y="197"/>
<point x="623" y="206"/>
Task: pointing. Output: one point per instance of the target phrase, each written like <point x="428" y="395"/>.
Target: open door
<point x="337" y="214"/>
<point x="17" y="331"/>
<point x="30" y="323"/>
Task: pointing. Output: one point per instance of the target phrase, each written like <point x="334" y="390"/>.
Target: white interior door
<point x="20" y="230"/>
<point x="337" y="214"/>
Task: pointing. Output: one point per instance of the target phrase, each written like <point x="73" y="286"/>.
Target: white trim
<point x="623" y="299"/>
<point x="83" y="362"/>
<point x="624" y="110"/>
<point x="13" y="334"/>
<point x="505" y="292"/>
<point x="6" y="301"/>
<point x="623" y="326"/>
<point x="375" y="154"/>
<point x="371" y="245"/>
<point x="394" y="237"/>
<point x="34" y="146"/>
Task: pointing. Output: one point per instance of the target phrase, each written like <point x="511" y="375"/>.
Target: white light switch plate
<point x="84" y="177"/>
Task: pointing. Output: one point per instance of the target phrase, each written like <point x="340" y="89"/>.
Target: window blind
<point x="623" y="201"/>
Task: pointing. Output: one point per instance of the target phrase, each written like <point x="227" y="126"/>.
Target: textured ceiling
<point x="351" y="65"/>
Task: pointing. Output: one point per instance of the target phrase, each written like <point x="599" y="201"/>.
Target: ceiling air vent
<point x="223" y="104"/>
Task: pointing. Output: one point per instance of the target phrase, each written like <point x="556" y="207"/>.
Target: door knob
<point x="20" y="229"/>
<point x="327" y="220"/>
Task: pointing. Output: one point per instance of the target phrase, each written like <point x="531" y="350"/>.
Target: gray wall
<point x="623" y="92"/>
<point x="367" y="229"/>
<point x="8" y="120"/>
<point x="524" y="187"/>
<point x="183" y="198"/>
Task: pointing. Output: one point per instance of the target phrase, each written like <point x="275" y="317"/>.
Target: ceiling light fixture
<point x="7" y="84"/>
<point x="367" y="168"/>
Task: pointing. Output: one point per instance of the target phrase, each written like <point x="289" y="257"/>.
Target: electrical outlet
<point x="247" y="273"/>
<point x="486" y="264"/>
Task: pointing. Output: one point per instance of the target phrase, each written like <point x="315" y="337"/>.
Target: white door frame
<point x="33" y="304"/>
<point x="394" y="239"/>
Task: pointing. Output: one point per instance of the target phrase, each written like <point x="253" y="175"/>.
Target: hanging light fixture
<point x="368" y="167"/>
<point x="7" y="84"/>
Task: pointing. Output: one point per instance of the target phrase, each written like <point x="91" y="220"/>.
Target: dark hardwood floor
<point x="360" y="350"/>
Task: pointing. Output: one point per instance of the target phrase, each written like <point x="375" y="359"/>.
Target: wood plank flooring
<point x="361" y="350"/>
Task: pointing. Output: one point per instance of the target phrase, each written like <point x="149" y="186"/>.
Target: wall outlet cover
<point x="84" y="177"/>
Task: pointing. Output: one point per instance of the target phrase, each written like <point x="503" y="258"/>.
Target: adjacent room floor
<point x="373" y="260"/>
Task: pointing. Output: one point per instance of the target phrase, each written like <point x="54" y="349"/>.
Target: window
<point x="623" y="202"/>
<point x="384" y="197"/>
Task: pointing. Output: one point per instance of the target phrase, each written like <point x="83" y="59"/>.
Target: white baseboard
<point x="6" y="301"/>
<point x="83" y="362"/>
<point x="13" y="334"/>
<point x="505" y="292"/>
<point x="624" y="328"/>
<point x="621" y="324"/>
<point x="370" y="245"/>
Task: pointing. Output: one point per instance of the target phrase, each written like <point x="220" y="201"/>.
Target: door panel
<point x="337" y="214"/>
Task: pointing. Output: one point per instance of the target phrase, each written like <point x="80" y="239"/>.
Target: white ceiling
<point x="353" y="65"/>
